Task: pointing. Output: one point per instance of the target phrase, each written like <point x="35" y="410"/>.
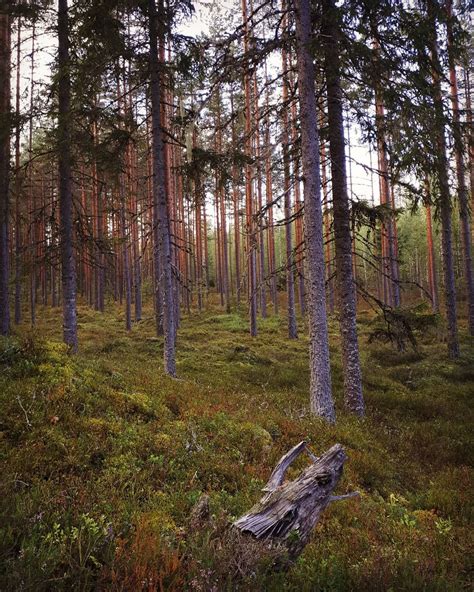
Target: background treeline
<point x="154" y="163"/>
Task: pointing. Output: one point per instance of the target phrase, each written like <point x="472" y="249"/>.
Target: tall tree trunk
<point x="470" y="132"/>
<point x="320" y="372"/>
<point x="251" y="238"/>
<point x="290" y="272"/>
<point x="198" y="242"/>
<point x="68" y="263"/>
<point x="156" y="265"/>
<point x="460" y="173"/>
<point x="350" y="195"/>
<point x="444" y="197"/>
<point x="4" y="170"/>
<point x="31" y="192"/>
<point x="160" y="202"/>
<point x="388" y="238"/>
<point x="261" y="238"/>
<point x="217" y="244"/>
<point x="236" y="203"/>
<point x="342" y="233"/>
<point x="124" y="236"/>
<point x="327" y="216"/>
<point x="225" y="255"/>
<point x="298" y="209"/>
<point x="133" y="200"/>
<point x="125" y="191"/>
<point x="269" y="204"/>
<point x="18" y="225"/>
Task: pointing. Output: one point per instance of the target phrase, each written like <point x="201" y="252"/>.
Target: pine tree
<point x="162" y="250"/>
<point x="5" y="125"/>
<point x="463" y="197"/>
<point x="320" y="372"/>
<point x="342" y="233"/>
<point x="441" y="164"/>
<point x="68" y="263"/>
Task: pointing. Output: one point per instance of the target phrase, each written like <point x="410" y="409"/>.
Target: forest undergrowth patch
<point x="103" y="458"/>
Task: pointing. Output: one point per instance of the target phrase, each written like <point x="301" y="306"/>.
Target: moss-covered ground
<point x="102" y="458"/>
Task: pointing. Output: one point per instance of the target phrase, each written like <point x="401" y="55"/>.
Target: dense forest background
<point x="226" y="228"/>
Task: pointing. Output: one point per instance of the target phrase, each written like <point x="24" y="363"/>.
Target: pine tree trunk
<point x="18" y="225"/>
<point x="124" y="187"/>
<point x="250" y="223"/>
<point x="4" y="170"/>
<point x="160" y="203"/>
<point x="261" y="238"/>
<point x="95" y="236"/>
<point x="327" y="217"/>
<point x="269" y="205"/>
<point x="31" y="193"/>
<point x="290" y="273"/>
<point x="298" y="210"/>
<point x="236" y="203"/>
<point x="155" y="258"/>
<point x="460" y="175"/>
<point x="320" y="372"/>
<point x="470" y="134"/>
<point x="68" y="263"/>
<point x="444" y="197"/>
<point x="388" y="230"/>
<point x="101" y="237"/>
<point x="342" y="233"/>
<point x="217" y="245"/>
<point x="198" y="243"/>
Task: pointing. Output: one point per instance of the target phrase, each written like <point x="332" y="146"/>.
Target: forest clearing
<point x="236" y="295"/>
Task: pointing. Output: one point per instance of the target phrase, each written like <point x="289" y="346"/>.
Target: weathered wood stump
<point x="288" y="512"/>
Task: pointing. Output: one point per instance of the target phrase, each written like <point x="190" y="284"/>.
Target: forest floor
<point x="102" y="458"/>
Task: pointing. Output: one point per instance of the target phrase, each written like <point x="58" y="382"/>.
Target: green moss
<point x="103" y="458"/>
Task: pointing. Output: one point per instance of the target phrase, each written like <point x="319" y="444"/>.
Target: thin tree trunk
<point x="470" y="134"/>
<point x="124" y="198"/>
<point x="261" y="238"/>
<point x="320" y="372"/>
<point x="269" y="205"/>
<point x="225" y="255"/>
<point x="236" y="201"/>
<point x="460" y="174"/>
<point x="251" y="239"/>
<point x="342" y="234"/>
<point x="389" y="243"/>
<point x="350" y="195"/>
<point x="65" y="191"/>
<point x="125" y="257"/>
<point x="290" y="273"/>
<point x="18" y="225"/>
<point x="31" y="192"/>
<point x="444" y="197"/>
<point x="198" y="244"/>
<point x="206" y="245"/>
<point x="327" y="218"/>
<point x="299" y="236"/>
<point x="217" y="245"/>
<point x="4" y="170"/>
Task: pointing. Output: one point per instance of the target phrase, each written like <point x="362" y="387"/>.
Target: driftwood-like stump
<point x="288" y="512"/>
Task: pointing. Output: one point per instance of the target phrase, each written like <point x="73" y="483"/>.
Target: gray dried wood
<point x="289" y="511"/>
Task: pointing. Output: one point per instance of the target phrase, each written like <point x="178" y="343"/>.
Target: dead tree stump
<point x="288" y="512"/>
